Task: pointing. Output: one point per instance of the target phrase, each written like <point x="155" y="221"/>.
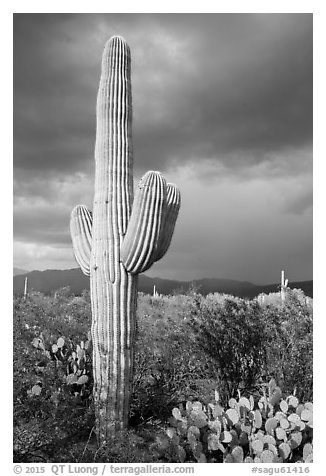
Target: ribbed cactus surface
<point x="123" y="237"/>
<point x="81" y="233"/>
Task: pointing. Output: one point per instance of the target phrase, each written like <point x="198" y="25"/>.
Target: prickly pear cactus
<point x="268" y="430"/>
<point x="122" y="237"/>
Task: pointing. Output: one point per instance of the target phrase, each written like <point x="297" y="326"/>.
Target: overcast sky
<point x="222" y="105"/>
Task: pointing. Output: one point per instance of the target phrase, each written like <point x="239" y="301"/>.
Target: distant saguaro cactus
<point x="123" y="237"/>
<point x="25" y="288"/>
<point x="284" y="285"/>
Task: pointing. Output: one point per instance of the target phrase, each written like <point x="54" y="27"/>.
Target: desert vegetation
<point x="216" y="379"/>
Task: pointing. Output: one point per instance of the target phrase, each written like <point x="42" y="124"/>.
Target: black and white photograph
<point x="162" y="240"/>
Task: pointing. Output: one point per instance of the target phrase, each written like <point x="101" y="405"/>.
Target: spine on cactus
<point x="121" y="239"/>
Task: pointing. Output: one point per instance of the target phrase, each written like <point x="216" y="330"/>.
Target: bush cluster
<point x="249" y="343"/>
<point x="169" y="366"/>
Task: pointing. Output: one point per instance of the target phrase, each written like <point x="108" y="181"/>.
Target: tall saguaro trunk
<point x="113" y="290"/>
<point x="120" y="239"/>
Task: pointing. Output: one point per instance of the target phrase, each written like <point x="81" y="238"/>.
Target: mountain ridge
<point x="18" y="271"/>
<point x="50" y="280"/>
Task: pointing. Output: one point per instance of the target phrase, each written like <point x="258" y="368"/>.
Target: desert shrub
<point x="250" y="343"/>
<point x="231" y="332"/>
<point x="269" y="429"/>
<point x="63" y="294"/>
<point x="289" y="330"/>
<point x="169" y="366"/>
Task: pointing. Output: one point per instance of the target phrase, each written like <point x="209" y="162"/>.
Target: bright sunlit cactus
<point x="122" y="238"/>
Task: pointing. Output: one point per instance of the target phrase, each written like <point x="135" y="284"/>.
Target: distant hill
<point x="18" y="271"/>
<point x="50" y="280"/>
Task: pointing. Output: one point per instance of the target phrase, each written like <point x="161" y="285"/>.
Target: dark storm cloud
<point x="52" y="225"/>
<point x="246" y="92"/>
<point x="223" y="86"/>
<point x="54" y="112"/>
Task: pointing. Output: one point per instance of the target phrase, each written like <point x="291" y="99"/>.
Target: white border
<point x="316" y="7"/>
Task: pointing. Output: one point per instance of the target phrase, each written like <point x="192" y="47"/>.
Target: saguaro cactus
<point x="284" y="285"/>
<point x="123" y="237"/>
<point x="25" y="288"/>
